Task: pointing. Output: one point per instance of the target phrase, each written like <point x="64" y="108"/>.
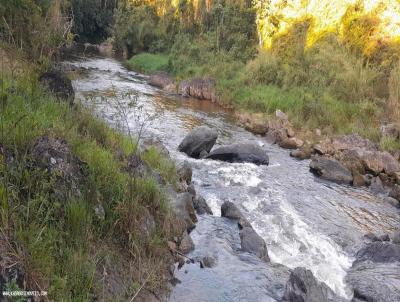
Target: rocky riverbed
<point x="278" y="233"/>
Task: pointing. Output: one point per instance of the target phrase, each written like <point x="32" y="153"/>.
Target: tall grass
<point x="55" y="241"/>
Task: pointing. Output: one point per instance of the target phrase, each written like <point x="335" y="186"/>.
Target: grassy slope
<point x="59" y="243"/>
<point x="148" y="63"/>
<point x="329" y="89"/>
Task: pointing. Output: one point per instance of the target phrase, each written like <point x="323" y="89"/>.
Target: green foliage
<point x="53" y="237"/>
<point x="93" y="19"/>
<point x="148" y="63"/>
<point x="164" y="166"/>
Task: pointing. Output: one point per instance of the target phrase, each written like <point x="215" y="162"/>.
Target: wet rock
<point x="377" y="282"/>
<point x="291" y="143"/>
<point x="240" y="153"/>
<point x="379" y="251"/>
<point x="186" y="245"/>
<point x="162" y="80"/>
<point x="377" y="186"/>
<point x="396" y="237"/>
<point x="252" y="243"/>
<point x="182" y="205"/>
<point x="59" y="84"/>
<point x="330" y="169"/>
<point x="395" y="192"/>
<point x="203" y="89"/>
<point x="304" y="287"/>
<point x="184" y="172"/>
<point x="207" y="261"/>
<point x="55" y="156"/>
<point x="198" y="140"/>
<point x="374" y="238"/>
<point x="390" y="131"/>
<point x="191" y="189"/>
<point x="229" y="210"/>
<point x="201" y="206"/>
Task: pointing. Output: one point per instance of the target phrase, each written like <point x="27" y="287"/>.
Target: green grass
<point x="55" y="238"/>
<point x="148" y="63"/>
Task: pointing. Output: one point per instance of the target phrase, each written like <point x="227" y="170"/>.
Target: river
<point x="304" y="221"/>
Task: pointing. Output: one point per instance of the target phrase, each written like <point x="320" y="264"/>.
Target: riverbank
<point x="305" y="142"/>
<point x="85" y="212"/>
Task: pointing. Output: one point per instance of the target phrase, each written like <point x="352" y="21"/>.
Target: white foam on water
<point x="239" y="174"/>
<point x="304" y="247"/>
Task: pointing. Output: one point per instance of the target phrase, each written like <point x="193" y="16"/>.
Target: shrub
<point x="148" y="63"/>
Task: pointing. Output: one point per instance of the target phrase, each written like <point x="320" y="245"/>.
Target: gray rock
<point x="330" y="169"/>
<point x="184" y="172"/>
<point x="182" y="205"/>
<point x="59" y="84"/>
<point x="198" y="140"/>
<point x="374" y="238"/>
<point x="396" y="237"/>
<point x="380" y="252"/>
<point x="376" y="282"/>
<point x="201" y="206"/>
<point x="207" y="261"/>
<point x="54" y="155"/>
<point x="252" y="243"/>
<point x="186" y="245"/>
<point x="304" y="287"/>
<point x="377" y="186"/>
<point x="240" y="153"/>
<point x="395" y="192"/>
<point x="229" y="210"/>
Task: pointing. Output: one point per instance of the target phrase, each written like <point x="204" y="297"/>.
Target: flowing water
<point x="304" y="221"/>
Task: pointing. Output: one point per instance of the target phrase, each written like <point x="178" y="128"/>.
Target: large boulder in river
<point x="377" y="282"/>
<point x="252" y="243"/>
<point x="330" y="169"/>
<point x="240" y="153"/>
<point x="201" y="139"/>
<point x="231" y="211"/>
<point x="304" y="287"/>
<point x="201" y="206"/>
<point x="374" y="275"/>
<point x="58" y="84"/>
<point x="379" y="251"/>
